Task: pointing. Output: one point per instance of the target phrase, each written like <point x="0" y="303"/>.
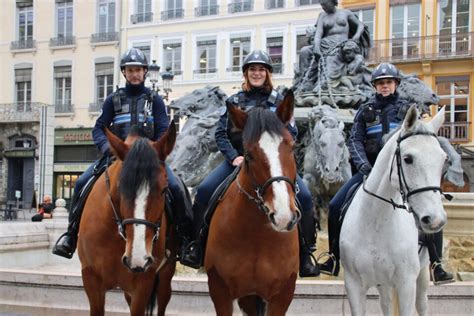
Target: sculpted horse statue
<point x="400" y="198"/>
<point x="130" y="195"/>
<point x="252" y="249"/>
<point x="326" y="161"/>
<point x="196" y="153"/>
<point x="416" y="91"/>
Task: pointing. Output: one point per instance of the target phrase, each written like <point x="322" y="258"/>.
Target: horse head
<point x="417" y="169"/>
<point x="269" y="168"/>
<point x="140" y="194"/>
<point x="414" y="90"/>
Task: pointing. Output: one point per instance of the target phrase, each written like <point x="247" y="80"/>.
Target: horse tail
<point x="152" y="300"/>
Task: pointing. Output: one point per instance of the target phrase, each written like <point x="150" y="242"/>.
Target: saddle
<point x="349" y="197"/>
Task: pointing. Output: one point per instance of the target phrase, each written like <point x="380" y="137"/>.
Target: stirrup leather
<point x="331" y="257"/>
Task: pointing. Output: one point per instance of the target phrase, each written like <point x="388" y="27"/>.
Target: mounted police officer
<point x="133" y="105"/>
<point x="374" y="119"/>
<point x="257" y="91"/>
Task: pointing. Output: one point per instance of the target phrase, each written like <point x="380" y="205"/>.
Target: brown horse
<point x="124" y="227"/>
<point x="252" y="250"/>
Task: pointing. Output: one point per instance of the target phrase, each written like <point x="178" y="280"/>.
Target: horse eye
<point x="408" y="160"/>
<point x="341" y="144"/>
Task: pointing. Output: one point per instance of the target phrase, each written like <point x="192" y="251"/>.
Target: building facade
<point x="63" y="56"/>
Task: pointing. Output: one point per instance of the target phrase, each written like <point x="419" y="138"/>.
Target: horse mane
<point x="418" y="128"/>
<point x="140" y="166"/>
<point x="261" y="120"/>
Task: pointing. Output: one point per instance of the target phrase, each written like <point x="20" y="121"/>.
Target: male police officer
<point x="133" y="105"/>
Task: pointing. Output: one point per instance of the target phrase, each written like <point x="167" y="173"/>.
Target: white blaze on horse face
<point x="281" y="198"/>
<point x="139" y="242"/>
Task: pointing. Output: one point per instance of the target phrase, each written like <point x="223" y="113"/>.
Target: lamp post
<point x="167" y="77"/>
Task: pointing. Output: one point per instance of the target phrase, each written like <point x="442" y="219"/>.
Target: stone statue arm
<point x="355" y="25"/>
<point x="454" y="174"/>
<point x="318" y="35"/>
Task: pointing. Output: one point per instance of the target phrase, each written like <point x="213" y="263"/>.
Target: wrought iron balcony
<point x="278" y="68"/>
<point x="95" y="107"/>
<point x="105" y="37"/>
<point x="141" y="17"/>
<point x="62" y="108"/>
<point x="306" y="2"/>
<point x="20" y="112"/>
<point x="422" y="48"/>
<point x="62" y="41"/>
<point x="243" y="6"/>
<point x="455" y="131"/>
<point x="172" y="14"/>
<point x="234" y="69"/>
<point x="206" y="10"/>
<point x="23" y="44"/>
<point x="274" y="4"/>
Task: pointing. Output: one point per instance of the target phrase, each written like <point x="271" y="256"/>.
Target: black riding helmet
<point x="258" y="57"/>
<point x="133" y="57"/>
<point x="385" y="70"/>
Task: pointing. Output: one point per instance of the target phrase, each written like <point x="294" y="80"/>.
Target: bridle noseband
<point x="407" y="192"/>
<point x="260" y="191"/>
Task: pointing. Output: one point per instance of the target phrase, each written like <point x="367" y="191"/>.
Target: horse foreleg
<point x="356" y="293"/>
<point x="141" y="296"/>
<point x="164" y="289"/>
<point x="94" y="291"/>
<point x="422" y="283"/>
<point x="406" y="291"/>
<point x="220" y="294"/>
<point x="278" y="305"/>
<point x="385" y="299"/>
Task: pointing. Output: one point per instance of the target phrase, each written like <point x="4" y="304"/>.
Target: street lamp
<point x="167" y="77"/>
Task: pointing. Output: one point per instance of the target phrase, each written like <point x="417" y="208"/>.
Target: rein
<point x="402" y="179"/>
<point x="260" y="191"/>
<point x="121" y="223"/>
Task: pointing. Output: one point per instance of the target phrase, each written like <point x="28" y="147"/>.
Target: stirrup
<point x="433" y="266"/>
<point x="331" y="257"/>
<point x="60" y="252"/>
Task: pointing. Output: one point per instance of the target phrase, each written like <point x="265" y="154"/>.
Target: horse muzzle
<point x="135" y="267"/>
<point x="295" y="218"/>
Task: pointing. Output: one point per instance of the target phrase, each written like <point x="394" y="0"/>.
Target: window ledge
<point x="110" y="43"/>
<point x="53" y="48"/>
<point x="22" y="51"/>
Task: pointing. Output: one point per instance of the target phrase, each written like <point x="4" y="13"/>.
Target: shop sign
<point x="74" y="167"/>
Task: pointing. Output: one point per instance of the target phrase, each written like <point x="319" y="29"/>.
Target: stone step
<point x="58" y="291"/>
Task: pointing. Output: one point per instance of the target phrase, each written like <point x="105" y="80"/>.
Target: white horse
<point x="379" y="236"/>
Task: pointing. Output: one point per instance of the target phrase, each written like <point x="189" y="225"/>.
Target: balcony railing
<point x="206" y="10"/>
<point x="105" y="37"/>
<point x="95" y="107"/>
<point x="141" y="17"/>
<point x="61" y="108"/>
<point x="23" y="44"/>
<point x="62" y="41"/>
<point x="455" y="131"/>
<point x="274" y="4"/>
<point x="20" y="112"/>
<point x="172" y="14"/>
<point x="421" y="48"/>
<point x="278" y="68"/>
<point x="243" y="6"/>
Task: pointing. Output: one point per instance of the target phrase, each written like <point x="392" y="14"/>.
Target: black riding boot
<point x="331" y="266"/>
<point x="193" y="254"/>
<point x="307" y="235"/>
<point x="434" y="243"/>
<point x="66" y="244"/>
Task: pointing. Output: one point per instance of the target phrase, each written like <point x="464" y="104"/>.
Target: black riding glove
<point x="365" y="169"/>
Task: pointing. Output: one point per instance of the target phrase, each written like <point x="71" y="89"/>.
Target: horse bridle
<point x="260" y="191"/>
<point x="402" y="179"/>
<point x="121" y="223"/>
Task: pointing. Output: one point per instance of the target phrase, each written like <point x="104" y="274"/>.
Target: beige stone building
<point x="59" y="59"/>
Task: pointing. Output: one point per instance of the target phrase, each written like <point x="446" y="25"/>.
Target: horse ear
<point x="117" y="146"/>
<point x="410" y="118"/>
<point x="286" y="107"/>
<point x="237" y="116"/>
<point x="438" y="120"/>
<point x="165" y="144"/>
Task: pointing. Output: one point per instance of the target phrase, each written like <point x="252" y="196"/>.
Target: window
<point x="454" y="94"/>
<point x="24" y="27"/>
<point x="240" y="6"/>
<point x="239" y="47"/>
<point x="367" y="16"/>
<point x="64" y="15"/>
<point x="207" y="7"/>
<point x="174" y="10"/>
<point x="274" y="4"/>
<point x="405" y="31"/>
<point x="206" y="57"/>
<point x="145" y="48"/>
<point x="106" y="13"/>
<point x="172" y="57"/>
<point x="104" y="78"/>
<point x="306" y="2"/>
<point x="453" y="26"/>
<point x="275" y="50"/>
<point x="301" y="41"/>
<point x="143" y="12"/>
<point x="23" y="89"/>
<point x="62" y="91"/>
